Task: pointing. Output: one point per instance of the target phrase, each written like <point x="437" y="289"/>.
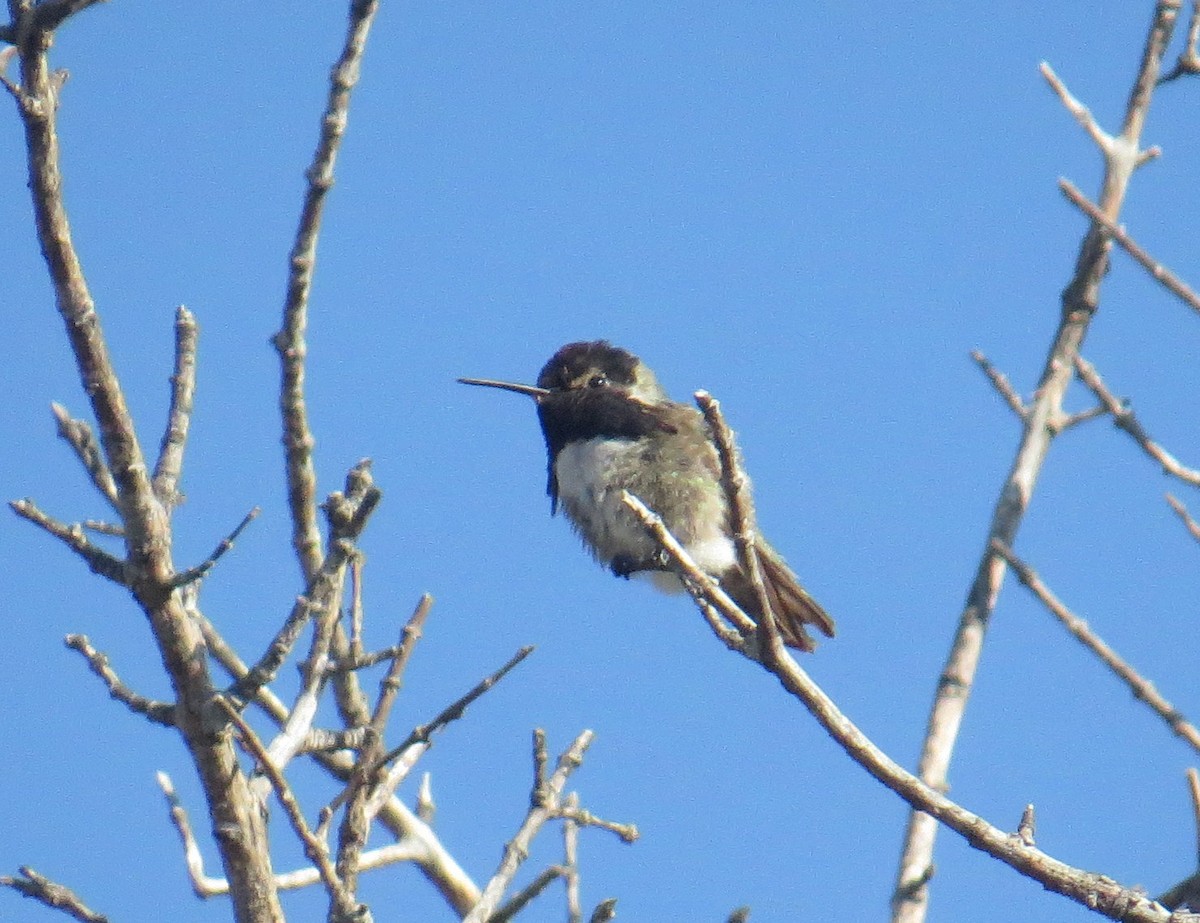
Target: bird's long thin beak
<point x="532" y="390"/>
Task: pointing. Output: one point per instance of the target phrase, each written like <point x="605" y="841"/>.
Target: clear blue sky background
<point x="815" y="211"/>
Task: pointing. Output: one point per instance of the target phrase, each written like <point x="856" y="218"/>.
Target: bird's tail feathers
<point x="794" y="609"/>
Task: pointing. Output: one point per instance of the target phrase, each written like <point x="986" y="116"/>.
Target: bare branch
<point x="571" y="858"/>
<point x="78" y="435"/>
<point x="1082" y="114"/>
<point x="202" y="886"/>
<point x="628" y="833"/>
<point x="289" y="342"/>
<point x="1188" y="61"/>
<point x="1028" y="826"/>
<point x="52" y="894"/>
<point x="1124" y="419"/>
<point x="1171" y="282"/>
<point x="179" y="417"/>
<point x="159" y="712"/>
<point x="545" y="803"/>
<point x="1001" y="383"/>
<point x="741" y="513"/>
<point x="1181" y="511"/>
<point x="1093" y="891"/>
<point x="314" y="849"/>
<point x="200" y="571"/>
<point x="1142" y="688"/>
<point x="1080" y="301"/>
<point x="526" y="895"/>
<point x="703" y="588"/>
<point x="97" y="559"/>
<point x="389" y="687"/>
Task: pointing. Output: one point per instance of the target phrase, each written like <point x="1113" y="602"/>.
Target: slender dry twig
<point x="423" y="733"/>
<point x="1189" y="60"/>
<point x="1124" y="419"/>
<point x="545" y="802"/>
<point x="1001" y="383"/>
<point x="571" y="858"/>
<point x="159" y="712"/>
<point x="1080" y="301"/>
<point x="97" y="559"/>
<point x="523" y="898"/>
<point x="1171" y="282"/>
<point x="316" y="851"/>
<point x="741" y="514"/>
<point x="79" y="436"/>
<point x="289" y="342"/>
<point x="200" y="571"/>
<point x="318" y="598"/>
<point x="1074" y="419"/>
<point x="1142" y="688"/>
<point x="628" y="833"/>
<point x="52" y="894"/>
<point x="389" y="686"/>
<point x="706" y="591"/>
<point x="1181" y="511"/>
<point x="179" y="417"/>
<point x="1028" y="826"/>
<point x="202" y="885"/>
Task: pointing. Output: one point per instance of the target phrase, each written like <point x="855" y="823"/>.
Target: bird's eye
<point x="598" y="381"/>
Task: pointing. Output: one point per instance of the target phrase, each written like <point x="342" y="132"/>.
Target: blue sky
<point x="813" y="211"/>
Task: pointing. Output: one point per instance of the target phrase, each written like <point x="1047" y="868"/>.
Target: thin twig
<point x="628" y="833"/>
<point x="52" y="894"/>
<point x="523" y="898"/>
<point x="741" y="513"/>
<point x="1124" y="419"/>
<point x="423" y="733"/>
<point x="571" y="858"/>
<point x="1028" y="826"/>
<point x="1171" y="282"/>
<point x="1066" y="422"/>
<point x="702" y="587"/>
<point x="97" y="559"/>
<point x="79" y="436"/>
<point x="1001" y="383"/>
<point x="1181" y="511"/>
<point x="318" y="597"/>
<point x="518" y="848"/>
<point x="1082" y="114"/>
<point x="290" y="342"/>
<point x="389" y="686"/>
<point x="202" y="885"/>
<point x="1189" y="60"/>
<point x="179" y="416"/>
<point x="159" y="712"/>
<point x="1142" y="688"/>
<point x="200" y="571"/>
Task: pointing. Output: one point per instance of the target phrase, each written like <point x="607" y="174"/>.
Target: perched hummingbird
<point x="609" y="426"/>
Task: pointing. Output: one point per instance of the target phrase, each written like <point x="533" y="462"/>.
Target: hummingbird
<point x="610" y="427"/>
